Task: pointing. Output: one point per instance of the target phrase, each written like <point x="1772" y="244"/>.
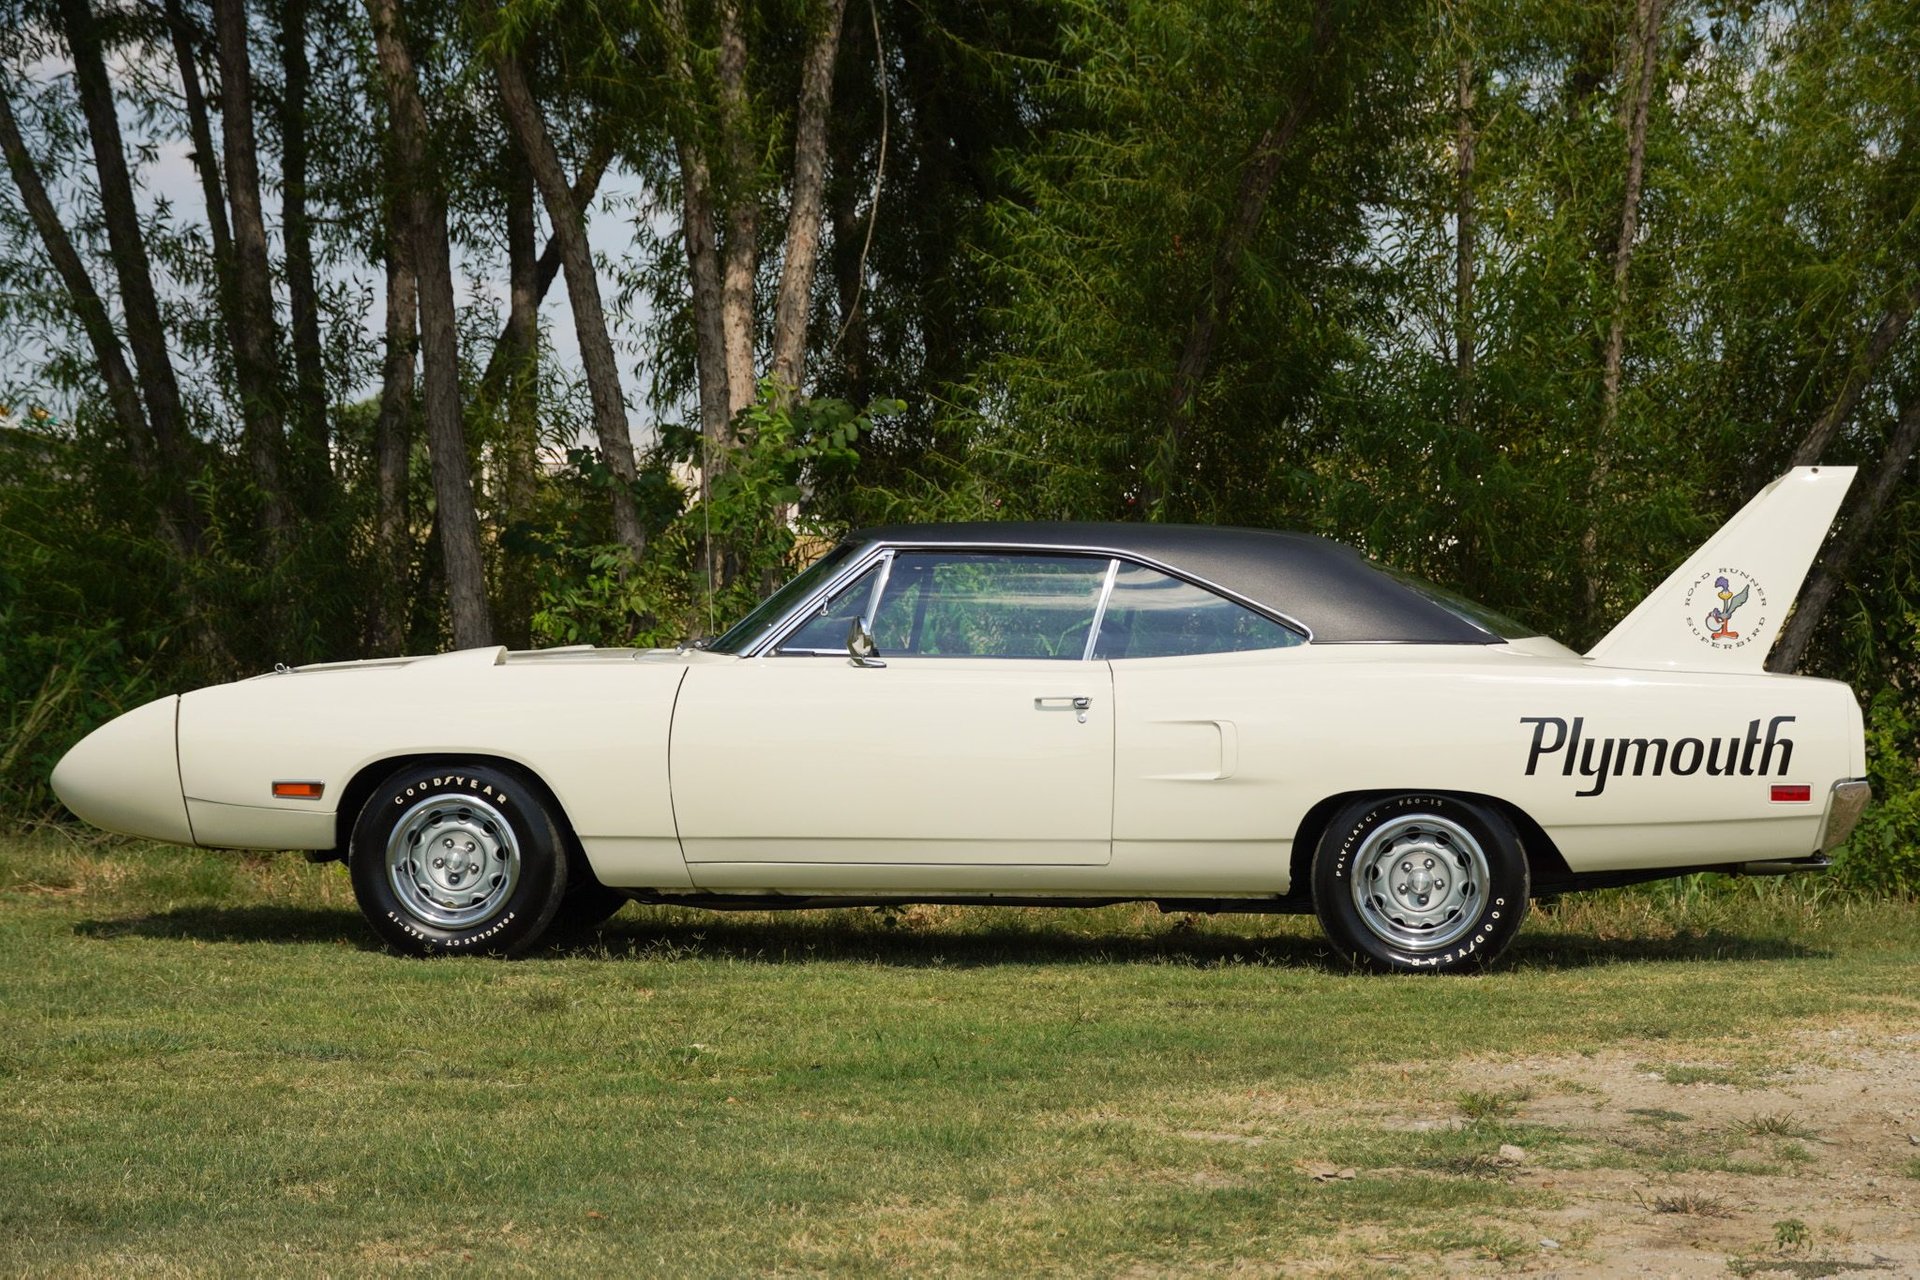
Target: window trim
<point x="1100" y="609"/>
<point x="768" y="643"/>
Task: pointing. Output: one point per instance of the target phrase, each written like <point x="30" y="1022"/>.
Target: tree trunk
<point x="849" y="270"/>
<point x="122" y="394"/>
<point x="1893" y="323"/>
<point x="426" y="216"/>
<point x="520" y="454"/>
<point x="794" y="303"/>
<point x="251" y="325"/>
<point x="1463" y="263"/>
<point x="303" y="295"/>
<point x="1250" y="203"/>
<point x="206" y="160"/>
<point x="393" y="450"/>
<point x="1644" y="67"/>
<point x="741" y="250"/>
<point x="583" y="291"/>
<point x="499" y="362"/>
<point x="698" y="229"/>
<point x="146" y="331"/>
<point x="1818" y="594"/>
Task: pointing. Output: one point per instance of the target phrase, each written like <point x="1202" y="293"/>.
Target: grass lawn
<point x="206" y="1066"/>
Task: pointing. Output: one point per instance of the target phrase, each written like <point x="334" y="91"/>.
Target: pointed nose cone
<point x="125" y="775"/>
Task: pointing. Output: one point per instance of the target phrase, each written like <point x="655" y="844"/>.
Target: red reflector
<point x="312" y="790"/>
<point x="1792" y="795"/>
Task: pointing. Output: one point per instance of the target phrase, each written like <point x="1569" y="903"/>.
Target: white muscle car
<point x="1210" y="719"/>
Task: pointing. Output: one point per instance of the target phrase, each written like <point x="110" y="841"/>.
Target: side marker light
<point x="312" y="790"/>
<point x="1792" y="794"/>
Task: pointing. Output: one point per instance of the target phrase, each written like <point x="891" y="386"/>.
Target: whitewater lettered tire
<point x="451" y="858"/>
<point x="1419" y="883"/>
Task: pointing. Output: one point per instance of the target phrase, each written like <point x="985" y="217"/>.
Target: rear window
<point x="1492" y="621"/>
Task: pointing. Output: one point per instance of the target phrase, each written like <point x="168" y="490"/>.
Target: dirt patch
<point x="1784" y="1159"/>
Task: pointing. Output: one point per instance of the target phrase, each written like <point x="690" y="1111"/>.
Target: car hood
<point x="500" y="655"/>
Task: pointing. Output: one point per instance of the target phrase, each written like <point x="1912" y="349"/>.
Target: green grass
<point x="206" y="1066"/>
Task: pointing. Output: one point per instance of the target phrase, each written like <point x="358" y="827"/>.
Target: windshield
<point x="768" y="611"/>
<point x="1491" y="621"/>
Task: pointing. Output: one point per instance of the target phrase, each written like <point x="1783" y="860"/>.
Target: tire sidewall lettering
<point x="518" y="919"/>
<point x="1491" y="931"/>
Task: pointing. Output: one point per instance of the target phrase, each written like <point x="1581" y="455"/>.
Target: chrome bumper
<point x="1844" y="805"/>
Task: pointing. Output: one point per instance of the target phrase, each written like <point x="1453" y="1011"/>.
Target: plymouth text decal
<point x="1598" y="759"/>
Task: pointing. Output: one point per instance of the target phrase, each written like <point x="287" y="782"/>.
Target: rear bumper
<point x="1845" y="803"/>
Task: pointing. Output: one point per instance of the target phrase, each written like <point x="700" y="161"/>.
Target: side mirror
<point x="860" y="646"/>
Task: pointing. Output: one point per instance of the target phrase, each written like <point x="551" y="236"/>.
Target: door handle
<point x="1078" y="701"/>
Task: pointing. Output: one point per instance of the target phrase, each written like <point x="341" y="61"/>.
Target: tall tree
<point x="1464" y="246"/>
<point x="700" y="234"/>
<point x="794" y="303"/>
<point x="1257" y="176"/>
<point x="252" y="326"/>
<point x="455" y="519"/>
<point x="520" y="450"/>
<point x="583" y="291"/>
<point x="1643" y="70"/>
<point x="392" y="448"/>
<point x="296" y="226"/>
<point x="140" y="304"/>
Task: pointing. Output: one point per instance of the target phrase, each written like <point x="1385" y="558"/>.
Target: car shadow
<point x="795" y="940"/>
<point x="268" y="924"/>
<point x="782" y="942"/>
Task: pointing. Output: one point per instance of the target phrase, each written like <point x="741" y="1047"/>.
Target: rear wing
<point x="1722" y="609"/>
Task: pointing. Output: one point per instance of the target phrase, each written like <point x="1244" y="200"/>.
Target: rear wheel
<point x="1420" y="883"/>
<point x="450" y="858"/>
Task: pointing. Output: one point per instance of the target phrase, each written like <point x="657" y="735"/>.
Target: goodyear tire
<point x="451" y="858"/>
<point x="1419" y="883"/>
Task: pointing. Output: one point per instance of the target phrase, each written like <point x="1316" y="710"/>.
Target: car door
<point x="1204" y="733"/>
<point x="980" y="734"/>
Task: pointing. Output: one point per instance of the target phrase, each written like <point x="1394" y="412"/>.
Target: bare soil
<point x="1797" y="1159"/>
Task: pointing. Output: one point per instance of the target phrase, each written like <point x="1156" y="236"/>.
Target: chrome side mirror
<point x="860" y="646"/>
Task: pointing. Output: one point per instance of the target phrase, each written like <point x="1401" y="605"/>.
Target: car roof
<point x="1331" y="589"/>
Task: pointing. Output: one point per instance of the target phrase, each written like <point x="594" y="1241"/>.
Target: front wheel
<point x="450" y="858"/>
<point x="1420" y="883"/>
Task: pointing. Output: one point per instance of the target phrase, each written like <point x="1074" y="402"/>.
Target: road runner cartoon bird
<point x="1718" y="618"/>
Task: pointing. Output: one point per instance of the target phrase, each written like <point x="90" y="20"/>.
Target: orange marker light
<point x="1792" y="795"/>
<point x="298" y="790"/>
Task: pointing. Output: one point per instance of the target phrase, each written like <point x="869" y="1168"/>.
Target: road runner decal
<point x="1598" y="759"/>
<point x="1721" y="599"/>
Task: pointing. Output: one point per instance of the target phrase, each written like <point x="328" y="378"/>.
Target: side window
<point x="954" y="604"/>
<point x="1152" y="615"/>
<point x="826" y="631"/>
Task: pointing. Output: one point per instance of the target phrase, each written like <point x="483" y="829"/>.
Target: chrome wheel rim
<point x="452" y="860"/>
<point x="1420" y="882"/>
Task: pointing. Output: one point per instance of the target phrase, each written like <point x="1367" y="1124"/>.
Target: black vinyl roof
<point x="1330" y="588"/>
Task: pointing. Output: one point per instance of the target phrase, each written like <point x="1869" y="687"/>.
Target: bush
<point x="1883" y="854"/>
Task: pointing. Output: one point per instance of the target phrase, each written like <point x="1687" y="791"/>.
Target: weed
<point x="1693" y="1204"/>
<point x="1493" y="1106"/>
<point x="1772" y="1124"/>
<point x="1791" y="1233"/>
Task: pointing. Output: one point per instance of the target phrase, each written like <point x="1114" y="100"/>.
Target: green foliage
<point x="1883" y="853"/>
<point x="710" y="557"/>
